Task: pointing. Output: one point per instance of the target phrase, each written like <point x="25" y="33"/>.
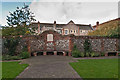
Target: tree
<point x="11" y="45"/>
<point x="21" y="16"/>
<point x="111" y="29"/>
<point x="15" y="31"/>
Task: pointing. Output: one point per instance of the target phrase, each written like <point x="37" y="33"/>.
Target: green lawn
<point x="96" y="68"/>
<point x="12" y="69"/>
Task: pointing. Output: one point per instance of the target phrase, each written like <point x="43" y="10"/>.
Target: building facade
<point x="64" y="29"/>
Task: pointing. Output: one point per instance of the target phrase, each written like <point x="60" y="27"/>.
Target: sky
<point x="64" y="11"/>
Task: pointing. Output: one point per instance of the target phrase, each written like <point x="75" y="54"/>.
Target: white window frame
<point x="67" y="31"/>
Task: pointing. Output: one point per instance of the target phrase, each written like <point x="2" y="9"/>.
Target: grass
<point x="96" y="68"/>
<point x="12" y="69"/>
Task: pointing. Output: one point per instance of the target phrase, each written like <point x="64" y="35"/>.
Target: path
<point x="49" y="66"/>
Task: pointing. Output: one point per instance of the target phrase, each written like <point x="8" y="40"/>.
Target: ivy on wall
<point x="11" y="45"/>
<point x="87" y="46"/>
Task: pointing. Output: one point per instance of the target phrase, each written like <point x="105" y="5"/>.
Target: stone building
<point x="64" y="29"/>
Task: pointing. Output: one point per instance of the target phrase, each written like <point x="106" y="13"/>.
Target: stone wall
<point x="65" y="43"/>
<point x="110" y="44"/>
<point x="98" y="44"/>
<point x="62" y="45"/>
<point x="40" y="43"/>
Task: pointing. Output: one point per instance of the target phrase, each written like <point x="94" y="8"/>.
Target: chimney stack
<point x="97" y="23"/>
<point x="38" y="27"/>
<point x="54" y="25"/>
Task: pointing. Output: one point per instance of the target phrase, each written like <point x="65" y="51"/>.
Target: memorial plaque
<point x="49" y="37"/>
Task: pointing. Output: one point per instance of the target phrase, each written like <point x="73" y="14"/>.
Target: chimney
<point x="97" y="23"/>
<point x="54" y="25"/>
<point x="38" y="27"/>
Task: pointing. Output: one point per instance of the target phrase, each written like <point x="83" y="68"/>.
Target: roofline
<point x="60" y="24"/>
<point x="107" y="22"/>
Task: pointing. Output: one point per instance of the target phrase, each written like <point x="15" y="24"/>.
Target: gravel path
<point x="49" y="66"/>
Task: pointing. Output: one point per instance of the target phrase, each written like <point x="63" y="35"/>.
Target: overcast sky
<point x="63" y="12"/>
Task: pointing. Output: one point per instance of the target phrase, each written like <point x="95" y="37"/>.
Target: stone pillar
<point x="64" y="53"/>
<point x="38" y="27"/>
<point x="44" y="53"/>
<point x="35" y="53"/>
<point x="106" y="54"/>
<point x="102" y="45"/>
<point x="28" y="47"/>
<point x="69" y="54"/>
<point x="117" y="54"/>
<point x="63" y="31"/>
<point x="70" y="45"/>
<point x="55" y="52"/>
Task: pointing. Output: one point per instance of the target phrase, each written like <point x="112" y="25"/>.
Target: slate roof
<point x="81" y="26"/>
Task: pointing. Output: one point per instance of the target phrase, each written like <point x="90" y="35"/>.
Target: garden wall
<point x="64" y="43"/>
<point x="98" y="44"/>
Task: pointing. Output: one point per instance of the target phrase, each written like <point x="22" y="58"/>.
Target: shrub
<point x="24" y="55"/>
<point x="8" y="57"/>
<point x="76" y="53"/>
<point x="82" y="54"/>
<point x="97" y="54"/>
<point x="87" y="54"/>
<point x="92" y="54"/>
<point x="102" y="54"/>
<point x="87" y="47"/>
<point x="11" y="45"/>
<point x="15" y="57"/>
<point x="118" y="54"/>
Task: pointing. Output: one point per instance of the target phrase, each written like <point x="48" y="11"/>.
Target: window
<point x="59" y="31"/>
<point x="66" y="31"/>
<point x="74" y="31"/>
<point x="49" y="37"/>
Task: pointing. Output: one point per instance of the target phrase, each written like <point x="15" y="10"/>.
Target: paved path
<point x="49" y="67"/>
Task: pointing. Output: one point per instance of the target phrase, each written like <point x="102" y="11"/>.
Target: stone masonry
<point x="65" y="43"/>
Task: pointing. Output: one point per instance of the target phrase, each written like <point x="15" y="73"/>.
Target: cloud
<point x="79" y="12"/>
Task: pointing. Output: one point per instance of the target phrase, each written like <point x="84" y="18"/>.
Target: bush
<point x="82" y="54"/>
<point x="76" y="53"/>
<point x="24" y="55"/>
<point x="92" y="54"/>
<point x="15" y="58"/>
<point x="87" y="46"/>
<point x="11" y="45"/>
<point x="87" y="54"/>
<point x="97" y="54"/>
<point x="102" y="54"/>
<point x="118" y="54"/>
<point x="8" y="57"/>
